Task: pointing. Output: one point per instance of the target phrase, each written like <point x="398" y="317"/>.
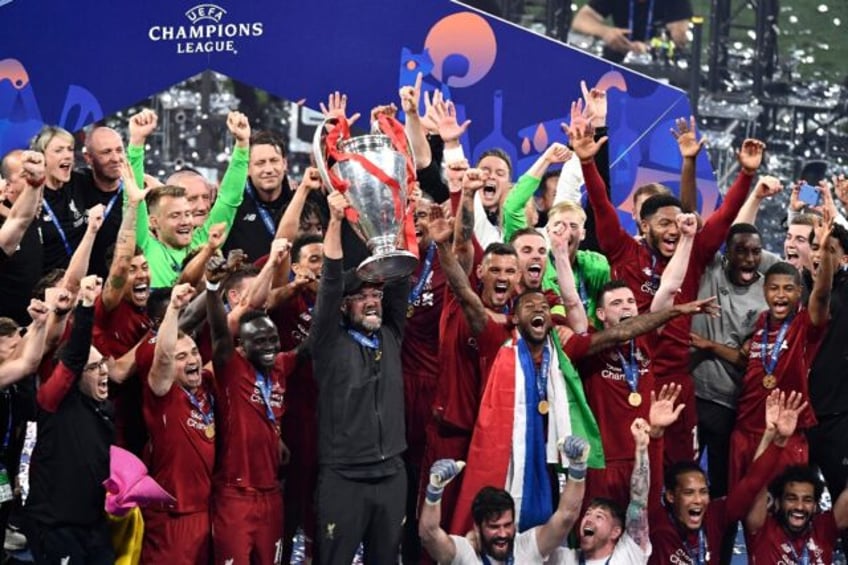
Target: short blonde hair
<point x="46" y="134"/>
<point x="648" y="190"/>
<point x="568" y="206"/>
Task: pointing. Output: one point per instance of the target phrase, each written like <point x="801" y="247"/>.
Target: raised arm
<point x="194" y="270"/>
<point x="644" y="323"/>
<point x="125" y="244"/>
<point x="781" y="419"/>
<point x="636" y="524"/>
<point x="290" y="222"/>
<point x="463" y="245"/>
<point x="260" y="288"/>
<point x="767" y="186"/>
<point x="574" y="310"/>
<point x="163" y="372"/>
<point x="552" y="533"/>
<point x="24" y="209"/>
<point x="472" y="306"/>
<point x="690" y="147"/>
<point x="331" y="286"/>
<point x="409" y="97"/>
<point x="819" y="302"/>
<point x="32" y="347"/>
<point x="675" y="271"/>
<point x="435" y="540"/>
<point x="222" y="341"/>
<point x="661" y="415"/>
<point x="140" y="126"/>
<point x="78" y="266"/>
<point x="231" y="192"/>
<point x="736" y="357"/>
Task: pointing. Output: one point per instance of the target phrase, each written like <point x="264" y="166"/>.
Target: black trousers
<point x="350" y="511"/>
<point x="70" y="545"/>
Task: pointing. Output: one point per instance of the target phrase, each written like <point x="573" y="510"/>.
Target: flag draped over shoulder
<point x="507" y="448"/>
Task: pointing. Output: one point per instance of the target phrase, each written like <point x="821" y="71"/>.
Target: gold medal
<point x="769" y="381"/>
<point x="410" y="311"/>
<point x="634" y="399"/>
<point x="543" y="407"/>
<point x="378" y="355"/>
<point x="210" y="431"/>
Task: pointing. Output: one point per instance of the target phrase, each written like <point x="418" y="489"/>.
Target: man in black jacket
<point x="357" y="364"/>
<point x="71" y="457"/>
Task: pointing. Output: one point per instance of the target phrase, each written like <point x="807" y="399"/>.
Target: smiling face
<point x="797" y="506"/>
<point x="499" y="276"/>
<point x="188" y="364"/>
<point x="599" y="532"/>
<point x="661" y="231"/>
<point x="422" y="220"/>
<point x="743" y="258"/>
<point x="105" y="155"/>
<point x="59" y="160"/>
<point x="173" y="221"/>
<point x="532" y="250"/>
<point x="689" y="499"/>
<point x="137" y="288"/>
<point x="498" y="182"/>
<point x="198" y="194"/>
<point x="310" y="261"/>
<point x="797" y="244"/>
<point x="95" y="376"/>
<point x="260" y="342"/>
<point x="532" y="316"/>
<point x="782" y="292"/>
<point x="497" y="535"/>
<point x="266" y="170"/>
<point x="364" y="309"/>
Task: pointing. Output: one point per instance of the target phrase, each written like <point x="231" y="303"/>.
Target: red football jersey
<point x="117" y="331"/>
<point x="772" y="544"/>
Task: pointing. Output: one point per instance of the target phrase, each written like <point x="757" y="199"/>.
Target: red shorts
<point x="612" y="482"/>
<point x="680" y="441"/>
<point x="443" y="444"/>
<point x="743" y="446"/>
<point x="176" y="538"/>
<point x="247" y="526"/>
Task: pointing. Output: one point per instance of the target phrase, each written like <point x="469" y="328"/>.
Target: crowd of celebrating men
<point x="545" y="387"/>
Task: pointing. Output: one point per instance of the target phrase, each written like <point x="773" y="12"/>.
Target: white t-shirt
<point x="626" y="552"/>
<point x="525" y="550"/>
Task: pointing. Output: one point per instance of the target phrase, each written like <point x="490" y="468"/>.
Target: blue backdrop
<point x="72" y="63"/>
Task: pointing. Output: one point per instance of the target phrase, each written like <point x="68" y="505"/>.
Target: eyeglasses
<point x="366" y="294"/>
<point x="97" y="365"/>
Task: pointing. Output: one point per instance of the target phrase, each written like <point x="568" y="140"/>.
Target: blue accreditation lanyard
<point x="208" y="417"/>
<point x="632" y="20"/>
<point x="703" y="555"/>
<point x="8" y="435"/>
<point x="770" y="360"/>
<point x="364" y="340"/>
<point x="264" y="386"/>
<point x="111" y="203"/>
<point x="529" y="368"/>
<point x="263" y="213"/>
<point x="583" y="558"/>
<point x="58" y="227"/>
<point x="630" y="367"/>
<point x="426" y="269"/>
<point x="805" y="554"/>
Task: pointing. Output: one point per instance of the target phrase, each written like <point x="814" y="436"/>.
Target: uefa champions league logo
<point x="207" y="31"/>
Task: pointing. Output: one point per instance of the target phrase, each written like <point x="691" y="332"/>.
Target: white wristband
<point x="212" y="287"/>
<point x="453" y="154"/>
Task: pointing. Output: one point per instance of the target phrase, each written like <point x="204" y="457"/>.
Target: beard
<point x="499" y="554"/>
<point x="367" y="323"/>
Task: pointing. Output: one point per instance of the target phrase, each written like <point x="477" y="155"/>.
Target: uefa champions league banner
<point x="75" y="62"/>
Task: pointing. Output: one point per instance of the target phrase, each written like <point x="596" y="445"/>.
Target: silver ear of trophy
<point x="380" y="219"/>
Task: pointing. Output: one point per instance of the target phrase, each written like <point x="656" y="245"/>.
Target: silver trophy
<point x="380" y="208"/>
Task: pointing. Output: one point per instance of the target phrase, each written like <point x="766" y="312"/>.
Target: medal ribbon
<point x="208" y="417"/>
<point x="529" y="367"/>
<point x="631" y="368"/>
<point x="770" y="361"/>
<point x="58" y="226"/>
<point x="263" y="213"/>
<point x="112" y="201"/>
<point x="703" y="555"/>
<point x="805" y="555"/>
<point x="364" y="340"/>
<point x="654" y="283"/>
<point x="486" y="561"/>
<point x="264" y="385"/>
<point x="426" y="269"/>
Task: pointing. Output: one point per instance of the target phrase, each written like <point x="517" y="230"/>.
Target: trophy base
<point x="387" y="267"/>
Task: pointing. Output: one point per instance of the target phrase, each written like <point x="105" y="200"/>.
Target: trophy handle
<point x="319" y="154"/>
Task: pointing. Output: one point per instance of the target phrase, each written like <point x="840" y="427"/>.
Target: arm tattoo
<point x="637" y="514"/>
<point x="467" y="223"/>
